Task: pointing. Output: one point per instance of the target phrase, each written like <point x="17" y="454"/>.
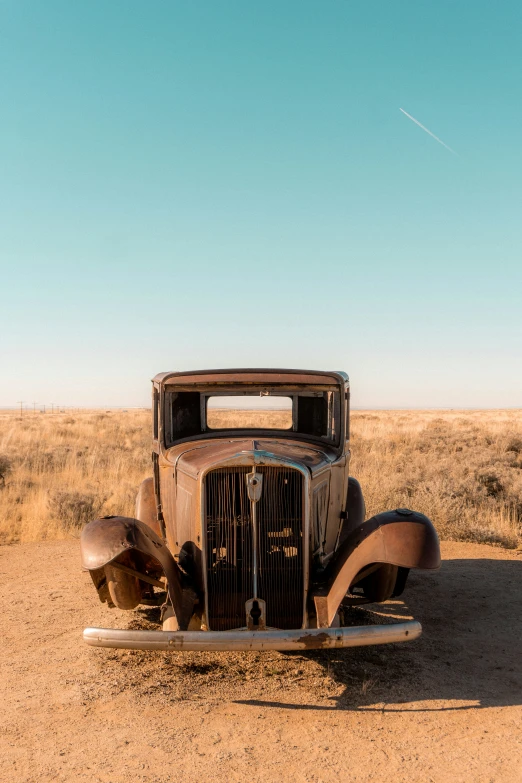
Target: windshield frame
<point x="336" y="412"/>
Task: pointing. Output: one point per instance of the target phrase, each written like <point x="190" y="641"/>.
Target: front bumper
<point x="309" y="639"/>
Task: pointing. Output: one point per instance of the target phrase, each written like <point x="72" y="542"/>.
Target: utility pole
<point x="21" y="409"/>
<point x="52" y="407"/>
<point x="34" y="406"/>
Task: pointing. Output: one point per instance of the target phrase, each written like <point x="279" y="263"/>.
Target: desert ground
<point x="445" y="707"/>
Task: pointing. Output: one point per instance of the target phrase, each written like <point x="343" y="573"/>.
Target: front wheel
<point x="380" y="585"/>
<point x="124" y="589"/>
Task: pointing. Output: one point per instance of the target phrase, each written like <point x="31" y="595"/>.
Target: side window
<point x="347" y="397"/>
<point x="155" y="413"/>
<point x="312" y="415"/>
<point x="318" y="414"/>
<point x="184" y="414"/>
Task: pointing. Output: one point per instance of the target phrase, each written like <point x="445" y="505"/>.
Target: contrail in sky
<point x="428" y="131"/>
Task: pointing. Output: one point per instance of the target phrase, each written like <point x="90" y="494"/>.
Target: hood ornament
<point x="254" y="486"/>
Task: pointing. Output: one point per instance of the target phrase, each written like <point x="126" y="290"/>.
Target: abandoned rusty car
<point x="251" y="533"/>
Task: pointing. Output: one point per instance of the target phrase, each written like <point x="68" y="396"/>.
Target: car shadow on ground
<point x="467" y="657"/>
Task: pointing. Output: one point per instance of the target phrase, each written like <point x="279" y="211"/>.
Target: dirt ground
<point x="445" y="707"/>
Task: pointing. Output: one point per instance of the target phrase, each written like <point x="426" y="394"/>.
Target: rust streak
<point x="314" y="641"/>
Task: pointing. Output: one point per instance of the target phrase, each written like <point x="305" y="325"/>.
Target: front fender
<point x="403" y="538"/>
<point x="145" y="509"/>
<point x="105" y="540"/>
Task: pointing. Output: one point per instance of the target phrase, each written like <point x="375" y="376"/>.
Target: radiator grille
<point x="230" y="547"/>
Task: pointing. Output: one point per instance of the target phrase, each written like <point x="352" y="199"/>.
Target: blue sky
<point x="227" y="184"/>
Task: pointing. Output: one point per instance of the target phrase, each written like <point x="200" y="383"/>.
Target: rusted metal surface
<point x="193" y="459"/>
<point x="386" y="538"/>
<point x="254" y="482"/>
<point x="104" y="540"/>
<point x="241" y="554"/>
<point x="188" y="422"/>
<point x="255" y="538"/>
<point x="145" y="509"/>
<point x="268" y="463"/>
<point x="238" y="376"/>
<point x="255" y="610"/>
<point x="137" y="575"/>
<point x="311" y="639"/>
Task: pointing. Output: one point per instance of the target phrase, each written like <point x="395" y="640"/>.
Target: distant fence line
<point x="53" y="409"/>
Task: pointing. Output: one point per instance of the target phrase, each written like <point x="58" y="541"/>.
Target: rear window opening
<point x="240" y="412"/>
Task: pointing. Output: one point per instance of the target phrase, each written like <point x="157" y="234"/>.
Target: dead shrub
<point x="484" y="535"/>
<point x="491" y="482"/>
<point x="50" y="460"/>
<point x="6" y="466"/>
<point x="514" y="444"/>
<point x="75" y="509"/>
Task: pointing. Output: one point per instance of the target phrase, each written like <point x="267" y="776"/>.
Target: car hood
<point x="195" y="458"/>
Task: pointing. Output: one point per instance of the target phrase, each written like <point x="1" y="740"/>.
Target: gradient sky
<point x="231" y="184"/>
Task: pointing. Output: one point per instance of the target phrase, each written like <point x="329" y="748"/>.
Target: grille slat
<point x="230" y="547"/>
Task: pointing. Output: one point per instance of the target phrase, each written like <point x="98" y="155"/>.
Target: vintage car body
<point x="255" y="534"/>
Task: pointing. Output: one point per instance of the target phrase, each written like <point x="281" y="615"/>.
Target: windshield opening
<point x="311" y="413"/>
<point x="249" y="412"/>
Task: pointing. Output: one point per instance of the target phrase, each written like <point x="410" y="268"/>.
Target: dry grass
<point x="63" y="470"/>
<point x="217" y="418"/>
<point x="461" y="468"/>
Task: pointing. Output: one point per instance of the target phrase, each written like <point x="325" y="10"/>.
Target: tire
<point x="124" y="589"/>
<point x="380" y="585"/>
<point x="400" y="584"/>
<point x="355" y="509"/>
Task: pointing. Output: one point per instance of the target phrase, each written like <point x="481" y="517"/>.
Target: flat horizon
<point x="87" y="408"/>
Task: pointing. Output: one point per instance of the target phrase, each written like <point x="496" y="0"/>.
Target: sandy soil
<point x="445" y="707"/>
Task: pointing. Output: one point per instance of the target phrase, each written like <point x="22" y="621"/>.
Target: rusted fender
<point x="104" y="540"/>
<point x="145" y="509"/>
<point x="402" y="538"/>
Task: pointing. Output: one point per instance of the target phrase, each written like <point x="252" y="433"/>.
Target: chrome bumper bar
<point x="309" y="639"/>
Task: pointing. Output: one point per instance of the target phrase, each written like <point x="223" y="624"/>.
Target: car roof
<point x="252" y="375"/>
